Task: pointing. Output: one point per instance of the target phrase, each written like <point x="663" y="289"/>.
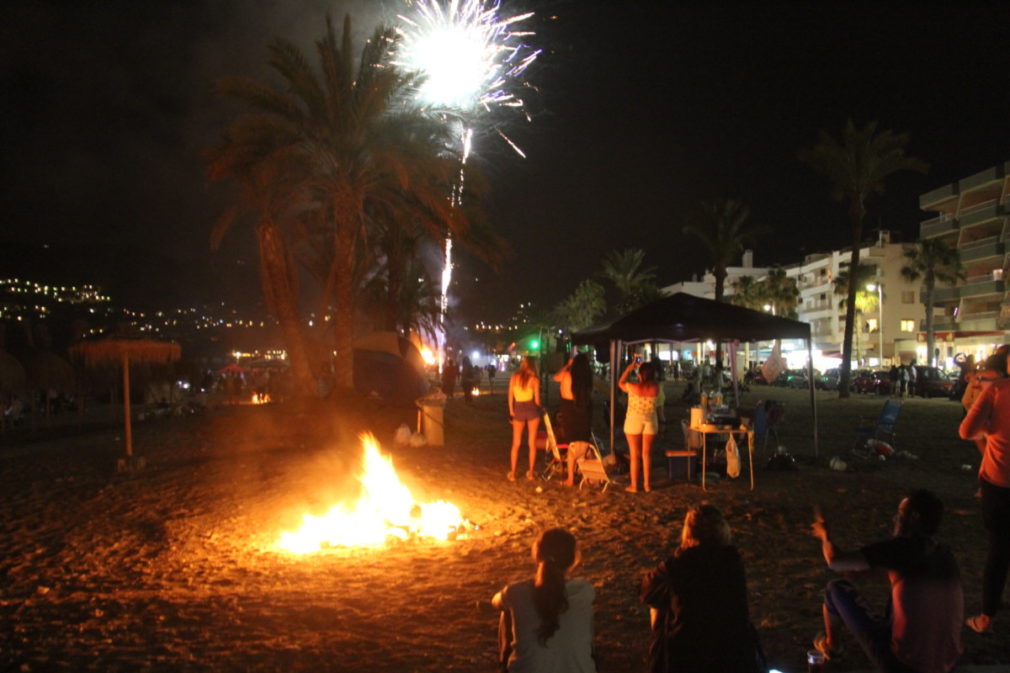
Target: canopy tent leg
<point x="813" y="398"/>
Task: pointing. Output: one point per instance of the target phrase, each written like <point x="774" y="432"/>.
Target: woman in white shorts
<point x="641" y="424"/>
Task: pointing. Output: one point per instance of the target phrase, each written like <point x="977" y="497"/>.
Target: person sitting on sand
<point x="922" y="631"/>
<point x="697" y="602"/>
<point x="641" y="423"/>
<point x="524" y="412"/>
<point x="546" y="623"/>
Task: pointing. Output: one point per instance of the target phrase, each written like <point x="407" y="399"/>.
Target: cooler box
<point x="682" y="465"/>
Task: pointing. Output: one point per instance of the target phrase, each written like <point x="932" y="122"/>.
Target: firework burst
<point x="469" y="54"/>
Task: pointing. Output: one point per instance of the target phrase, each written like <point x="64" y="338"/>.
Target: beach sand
<point x="175" y="567"/>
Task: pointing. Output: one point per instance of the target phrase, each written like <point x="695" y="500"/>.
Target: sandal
<point x="821" y="645"/>
<point x="979" y="623"/>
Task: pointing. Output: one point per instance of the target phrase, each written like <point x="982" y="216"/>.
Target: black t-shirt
<point x="704" y="622"/>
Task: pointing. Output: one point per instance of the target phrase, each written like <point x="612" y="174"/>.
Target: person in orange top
<point x="524" y="412"/>
<point x="989" y="420"/>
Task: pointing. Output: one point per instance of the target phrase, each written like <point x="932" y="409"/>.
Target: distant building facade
<point x="973" y="216"/>
<point x="881" y="337"/>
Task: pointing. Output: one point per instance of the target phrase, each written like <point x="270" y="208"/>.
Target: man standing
<point x="921" y="630"/>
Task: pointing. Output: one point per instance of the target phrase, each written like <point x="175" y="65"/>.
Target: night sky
<point x="639" y="113"/>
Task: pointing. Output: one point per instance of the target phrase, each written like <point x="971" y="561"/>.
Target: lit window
<point x="871" y="325"/>
<point x="907" y="325"/>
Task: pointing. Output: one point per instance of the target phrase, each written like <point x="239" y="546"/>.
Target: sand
<point x="175" y="567"/>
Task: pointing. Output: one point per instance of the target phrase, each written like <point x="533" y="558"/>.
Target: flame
<point x="258" y="398"/>
<point x="386" y="510"/>
<point x="427" y="356"/>
<point x="475" y="392"/>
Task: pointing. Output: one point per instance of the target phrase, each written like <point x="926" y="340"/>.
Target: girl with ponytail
<point x="547" y="622"/>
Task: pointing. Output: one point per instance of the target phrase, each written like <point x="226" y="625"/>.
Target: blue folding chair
<point x="885" y="428"/>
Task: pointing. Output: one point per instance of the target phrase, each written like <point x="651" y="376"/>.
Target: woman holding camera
<point x="641" y="423"/>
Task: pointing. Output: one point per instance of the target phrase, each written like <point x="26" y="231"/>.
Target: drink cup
<point x="815" y="662"/>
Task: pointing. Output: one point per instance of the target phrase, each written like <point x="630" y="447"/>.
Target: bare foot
<point x="511" y="476"/>
<point x="529" y="475"/>
<point x="648" y="488"/>
<point x="631" y="489"/>
<point x="568" y="483"/>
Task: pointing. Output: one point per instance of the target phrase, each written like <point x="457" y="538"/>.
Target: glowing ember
<point x="385" y="511"/>
<point x="427" y="356"/>
<point x="260" y="398"/>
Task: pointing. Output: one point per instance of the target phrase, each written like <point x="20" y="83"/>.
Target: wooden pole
<point x="126" y="404"/>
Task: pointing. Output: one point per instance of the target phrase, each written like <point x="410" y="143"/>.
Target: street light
<point x="880" y="318"/>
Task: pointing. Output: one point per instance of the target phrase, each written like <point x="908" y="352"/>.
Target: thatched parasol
<point x="12" y="374"/>
<point x="49" y="370"/>
<point x="123" y="349"/>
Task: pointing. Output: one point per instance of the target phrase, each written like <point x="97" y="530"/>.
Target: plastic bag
<point x="732" y="458"/>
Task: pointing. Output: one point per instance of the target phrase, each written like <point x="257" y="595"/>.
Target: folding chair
<point x="590" y="464"/>
<point x="885" y="428"/>
<point x="556" y="462"/>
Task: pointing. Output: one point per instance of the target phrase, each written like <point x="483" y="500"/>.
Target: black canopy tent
<point x="683" y="317"/>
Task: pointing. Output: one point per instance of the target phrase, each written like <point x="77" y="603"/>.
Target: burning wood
<point x="260" y="398"/>
<point x="385" y="511"/>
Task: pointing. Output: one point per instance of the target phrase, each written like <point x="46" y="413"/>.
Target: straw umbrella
<point x="123" y="350"/>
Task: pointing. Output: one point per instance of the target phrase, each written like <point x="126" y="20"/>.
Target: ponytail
<point x="555" y="554"/>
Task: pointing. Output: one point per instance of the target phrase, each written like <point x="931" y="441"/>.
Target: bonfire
<point x="385" y="511"/>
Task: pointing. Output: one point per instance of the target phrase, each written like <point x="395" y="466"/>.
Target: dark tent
<point x="389" y="367"/>
<point x="684" y="317"/>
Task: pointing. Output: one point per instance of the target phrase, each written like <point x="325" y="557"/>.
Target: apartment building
<point x="973" y="216"/>
<point x="889" y="324"/>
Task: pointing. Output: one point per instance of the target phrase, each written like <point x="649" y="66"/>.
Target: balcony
<point x="983" y="321"/>
<point x="938" y="195"/>
<point x="937" y="226"/>
<point x="942" y="295"/>
<point x="978" y="286"/>
<point x="982" y="249"/>
<point x="979" y="213"/>
<point x="981" y="178"/>
<point x="945" y="324"/>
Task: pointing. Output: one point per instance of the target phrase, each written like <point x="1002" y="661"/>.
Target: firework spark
<point x="470" y="55"/>
<point x="471" y="59"/>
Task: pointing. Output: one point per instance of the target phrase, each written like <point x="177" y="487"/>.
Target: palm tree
<point x="748" y="292"/>
<point x="721" y="226"/>
<point x="268" y="190"/>
<point x="857" y="168"/>
<point x="364" y="154"/>
<point x="582" y="308"/>
<point x="635" y="285"/>
<point x="781" y="292"/>
<point x="934" y="261"/>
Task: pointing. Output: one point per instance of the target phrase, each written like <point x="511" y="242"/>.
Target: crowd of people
<point x="697" y="598"/>
<point x="699" y="616"/>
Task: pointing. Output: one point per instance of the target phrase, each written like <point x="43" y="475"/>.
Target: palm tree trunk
<point x="856" y="218"/>
<point x="343" y="320"/>
<point x="281" y="295"/>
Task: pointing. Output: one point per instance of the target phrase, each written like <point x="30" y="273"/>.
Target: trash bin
<point x="430" y="418"/>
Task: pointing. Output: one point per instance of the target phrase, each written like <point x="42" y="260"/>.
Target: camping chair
<point x="883" y="430"/>
<point x="767" y="415"/>
<point x="589" y="463"/>
<point x="556" y="462"/>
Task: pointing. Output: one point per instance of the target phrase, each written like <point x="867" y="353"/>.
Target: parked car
<point x="877" y="381"/>
<point x="932" y="382"/>
<point x="830" y="379"/>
